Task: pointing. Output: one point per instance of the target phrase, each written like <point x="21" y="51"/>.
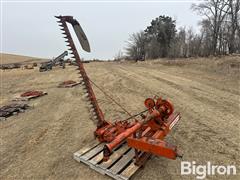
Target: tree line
<point x="219" y="34"/>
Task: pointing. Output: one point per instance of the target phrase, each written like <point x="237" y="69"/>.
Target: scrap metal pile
<point x="143" y="132"/>
<point x="47" y="66"/>
<point x="10" y="66"/>
<point x="12" y="109"/>
<point x="15" y="108"/>
<point x="30" y="66"/>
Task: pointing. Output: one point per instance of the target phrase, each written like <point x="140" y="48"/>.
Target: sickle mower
<point x="124" y="145"/>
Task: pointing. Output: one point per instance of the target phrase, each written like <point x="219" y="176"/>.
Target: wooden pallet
<point x="120" y="165"/>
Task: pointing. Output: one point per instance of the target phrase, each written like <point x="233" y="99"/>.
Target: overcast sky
<point x="31" y="29"/>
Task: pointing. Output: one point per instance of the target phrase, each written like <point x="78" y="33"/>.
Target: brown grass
<point x="227" y="65"/>
<point x="12" y="58"/>
<point x="39" y="144"/>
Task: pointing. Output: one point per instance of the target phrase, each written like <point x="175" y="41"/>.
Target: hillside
<point x="13" y="58"/>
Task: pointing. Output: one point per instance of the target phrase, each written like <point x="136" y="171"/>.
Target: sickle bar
<point x="97" y="114"/>
<point x="143" y="137"/>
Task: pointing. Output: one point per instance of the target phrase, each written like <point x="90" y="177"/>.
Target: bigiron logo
<point x="201" y="171"/>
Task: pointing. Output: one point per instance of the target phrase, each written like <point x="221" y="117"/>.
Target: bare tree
<point x="119" y="56"/>
<point x="136" y="46"/>
<point x="206" y="36"/>
<point x="215" y="12"/>
<point x="183" y="46"/>
<point x="219" y="34"/>
<point x="234" y="6"/>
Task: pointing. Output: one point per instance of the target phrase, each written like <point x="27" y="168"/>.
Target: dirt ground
<point x="39" y="144"/>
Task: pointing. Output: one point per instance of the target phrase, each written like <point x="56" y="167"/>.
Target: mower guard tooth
<point x="85" y="95"/>
<point x="92" y="110"/>
<point x="86" y="92"/>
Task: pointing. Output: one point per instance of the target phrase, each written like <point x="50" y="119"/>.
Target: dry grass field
<point x="11" y="58"/>
<point x="39" y="144"/>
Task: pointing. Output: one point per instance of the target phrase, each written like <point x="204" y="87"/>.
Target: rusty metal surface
<point x="28" y="95"/>
<point x="67" y="84"/>
<point x="32" y="94"/>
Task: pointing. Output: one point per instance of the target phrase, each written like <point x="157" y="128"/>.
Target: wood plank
<point x="92" y="152"/>
<point x="115" y="156"/>
<point x="98" y="169"/>
<point x="129" y="171"/>
<point x="120" y="165"/>
<point x="116" y="168"/>
<point x="86" y="148"/>
<point x="96" y="159"/>
<point x="20" y="99"/>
